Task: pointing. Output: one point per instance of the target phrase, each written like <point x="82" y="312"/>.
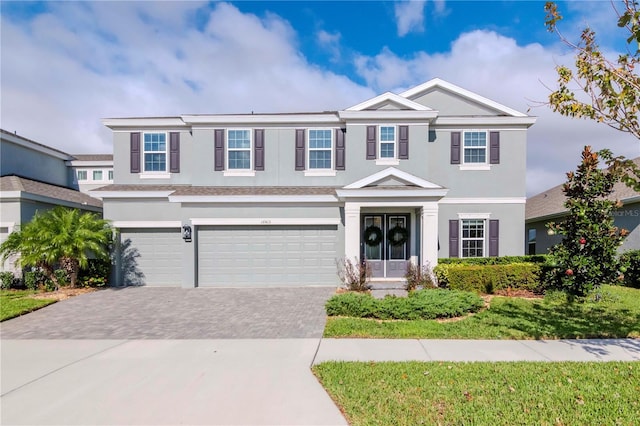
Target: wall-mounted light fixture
<point x="186" y="233"/>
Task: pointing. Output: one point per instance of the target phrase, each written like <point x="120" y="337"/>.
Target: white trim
<point x="143" y="122"/>
<point x="86" y="163"/>
<point x="146" y="224"/>
<point x="10" y="194"/>
<point x="131" y="194"/>
<point x="436" y="82"/>
<point x="143" y="152"/>
<point x="493" y="121"/>
<point x="309" y="149"/>
<point x="475" y="166"/>
<point x="239" y="172"/>
<point x="491" y="200"/>
<point x="320" y="172"/>
<point x="391" y="193"/>
<point x="397" y="116"/>
<point x="255" y="119"/>
<point x="154" y="175"/>
<point x="387" y="162"/>
<point x="265" y="221"/>
<point x="391" y="172"/>
<point x="389" y="97"/>
<point x="252" y="199"/>
<point x="474" y="215"/>
<point x="379" y="157"/>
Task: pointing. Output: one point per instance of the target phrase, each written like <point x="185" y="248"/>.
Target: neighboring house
<point x="275" y="199"/>
<point x="34" y="177"/>
<point x="548" y="206"/>
<point x="91" y="171"/>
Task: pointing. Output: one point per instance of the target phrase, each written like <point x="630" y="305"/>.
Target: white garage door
<point x="152" y="257"/>
<point x="267" y="256"/>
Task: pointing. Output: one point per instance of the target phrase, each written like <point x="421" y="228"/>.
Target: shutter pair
<point x="258" y="150"/>
<point x="454" y="238"/>
<point x="340" y="149"/>
<point x="174" y="152"/>
<point x="494" y="147"/>
<point x="403" y="143"/>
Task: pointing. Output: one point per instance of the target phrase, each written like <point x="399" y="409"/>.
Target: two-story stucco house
<point x="275" y="199"/>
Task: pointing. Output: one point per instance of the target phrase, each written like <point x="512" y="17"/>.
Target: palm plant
<point x="62" y="236"/>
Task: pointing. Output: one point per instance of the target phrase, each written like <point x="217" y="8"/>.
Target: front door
<point x="385" y="242"/>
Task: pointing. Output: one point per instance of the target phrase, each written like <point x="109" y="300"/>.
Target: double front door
<point x="385" y="244"/>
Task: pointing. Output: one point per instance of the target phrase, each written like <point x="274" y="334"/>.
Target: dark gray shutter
<point x="340" y="149"/>
<point x="218" y="155"/>
<point x="494" y="147"/>
<point x="135" y="152"/>
<point x="258" y="149"/>
<point x="300" y="148"/>
<point x="371" y="142"/>
<point x="454" y="238"/>
<point x="455" y="147"/>
<point x="403" y="145"/>
<point x="494" y="237"/>
<point x="174" y="152"/>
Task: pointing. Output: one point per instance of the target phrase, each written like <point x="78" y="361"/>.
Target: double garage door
<point x="235" y="256"/>
<point x="266" y="256"/>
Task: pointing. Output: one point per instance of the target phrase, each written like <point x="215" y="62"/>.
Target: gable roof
<point x="19" y="187"/>
<point x="386" y="98"/>
<point x="550" y="203"/>
<point x="438" y="83"/>
<point x="392" y="172"/>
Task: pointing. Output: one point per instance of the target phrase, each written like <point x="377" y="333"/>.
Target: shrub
<point x="33" y="278"/>
<point x="96" y="274"/>
<point x="354" y="275"/>
<point x="422" y="276"/>
<point x="503" y="260"/>
<point x="423" y="304"/>
<point x="491" y="278"/>
<point x="7" y="280"/>
<point x="630" y="267"/>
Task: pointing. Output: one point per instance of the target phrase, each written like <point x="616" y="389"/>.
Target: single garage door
<point x="152" y="257"/>
<point x="267" y="256"/>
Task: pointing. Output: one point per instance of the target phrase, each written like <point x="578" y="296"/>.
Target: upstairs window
<point x="475" y="147"/>
<point x="155" y="152"/>
<point x="320" y="149"/>
<point x="473" y="238"/>
<point x="97" y="175"/>
<point x="110" y="174"/>
<point x="239" y="150"/>
<point x="387" y="142"/>
<point x="82" y="175"/>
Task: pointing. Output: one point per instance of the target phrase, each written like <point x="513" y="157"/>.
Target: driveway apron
<point x="168" y="356"/>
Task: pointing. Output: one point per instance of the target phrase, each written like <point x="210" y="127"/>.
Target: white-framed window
<point x="387" y="143"/>
<point x="81" y="174"/>
<point x="473" y="237"/>
<point x="155" y="152"/>
<point x="239" y="149"/>
<point x="320" y="149"/>
<point x="97" y="175"/>
<point x="110" y="174"/>
<point x="474" y="147"/>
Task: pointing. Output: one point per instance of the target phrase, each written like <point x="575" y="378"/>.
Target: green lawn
<point x="616" y="315"/>
<point x="14" y="303"/>
<point x="502" y="393"/>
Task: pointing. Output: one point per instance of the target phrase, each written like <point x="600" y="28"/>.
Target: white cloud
<point x="86" y="61"/>
<point x="409" y="16"/>
<point x="331" y="43"/>
<point x="498" y="68"/>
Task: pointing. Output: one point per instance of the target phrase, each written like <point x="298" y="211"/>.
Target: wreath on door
<point x="397" y="236"/>
<point x="372" y="236"/>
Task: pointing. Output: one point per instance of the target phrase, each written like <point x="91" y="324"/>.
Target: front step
<point x="387" y="285"/>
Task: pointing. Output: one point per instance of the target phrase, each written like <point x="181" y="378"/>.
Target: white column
<point x="429" y="233"/>
<point x="351" y="230"/>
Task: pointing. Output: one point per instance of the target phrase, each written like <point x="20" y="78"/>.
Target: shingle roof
<point x="93" y="157"/>
<point x="551" y="202"/>
<point x="17" y="183"/>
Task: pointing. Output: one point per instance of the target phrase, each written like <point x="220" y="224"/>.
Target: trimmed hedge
<point x="630" y="261"/>
<point x="504" y="260"/>
<point x="422" y="304"/>
<point x="490" y="278"/>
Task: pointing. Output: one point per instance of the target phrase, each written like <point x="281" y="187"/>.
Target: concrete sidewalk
<point x="478" y="350"/>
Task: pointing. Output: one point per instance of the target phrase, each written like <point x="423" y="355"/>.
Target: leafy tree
<point x="611" y="86"/>
<point x="586" y="256"/>
<point x="62" y="236"/>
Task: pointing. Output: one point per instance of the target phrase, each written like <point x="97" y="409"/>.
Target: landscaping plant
<point x="419" y="276"/>
<point x="354" y="275"/>
<point x="586" y="257"/>
<point x="630" y="268"/>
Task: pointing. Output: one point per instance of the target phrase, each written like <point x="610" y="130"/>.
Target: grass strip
<point x="14" y="303"/>
<point x="482" y="393"/>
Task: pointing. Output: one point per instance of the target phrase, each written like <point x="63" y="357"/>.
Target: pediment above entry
<point x="392" y="183"/>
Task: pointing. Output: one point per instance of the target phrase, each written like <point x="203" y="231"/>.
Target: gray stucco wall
<point x="18" y="160"/>
<point x="450" y="104"/>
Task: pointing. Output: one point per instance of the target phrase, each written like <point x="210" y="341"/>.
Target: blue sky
<point x="66" y="65"/>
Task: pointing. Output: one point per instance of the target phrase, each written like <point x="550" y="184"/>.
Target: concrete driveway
<point x="157" y="356"/>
